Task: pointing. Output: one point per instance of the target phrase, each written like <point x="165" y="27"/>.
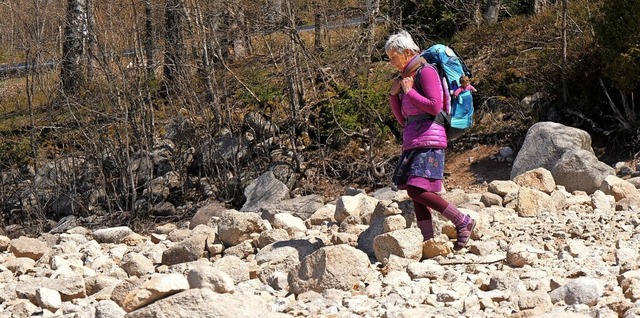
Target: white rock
<point x="48" y="298"/>
<point x="289" y="223"/>
<point x="209" y="277"/>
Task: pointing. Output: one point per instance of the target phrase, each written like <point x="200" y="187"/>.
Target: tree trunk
<point x="492" y="11"/>
<point x="565" y="11"/>
<point x="539" y="5"/>
<point x="477" y="13"/>
<point x="148" y="40"/>
<point x="243" y="39"/>
<point x="368" y="35"/>
<point x="236" y="35"/>
<point x="292" y="85"/>
<point x="73" y="45"/>
<point x="174" y="62"/>
<point x="274" y="13"/>
<point x="319" y="30"/>
<point x="91" y="39"/>
<point x="205" y="68"/>
<point x="295" y="88"/>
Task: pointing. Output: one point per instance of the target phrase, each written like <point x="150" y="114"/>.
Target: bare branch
<point x="625" y="124"/>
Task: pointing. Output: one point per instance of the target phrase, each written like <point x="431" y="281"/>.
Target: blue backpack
<point x="451" y="67"/>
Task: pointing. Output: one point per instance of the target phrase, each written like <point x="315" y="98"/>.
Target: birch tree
<point x="539" y="5"/>
<point x="367" y="37"/>
<point x="492" y="11"/>
<point x="274" y="12"/>
<point x="476" y="14"/>
<point x="319" y="27"/>
<point x="565" y="13"/>
<point x="149" y="39"/>
<point x="73" y="46"/>
<point x="237" y="35"/>
<point x="175" y="53"/>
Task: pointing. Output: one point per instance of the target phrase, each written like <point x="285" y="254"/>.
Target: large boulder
<point x="531" y="202"/>
<point x="189" y="250"/>
<point x="158" y="287"/>
<point x="377" y="221"/>
<point x="282" y="256"/>
<point x="264" y="192"/>
<point x="359" y="206"/>
<point x="189" y="303"/>
<point x="406" y="243"/>
<point x="302" y="207"/>
<point x="28" y="247"/>
<point x="579" y="169"/>
<point x="223" y="149"/>
<point x="540" y="179"/>
<point x="235" y="227"/>
<point x="112" y="234"/>
<point x="584" y="290"/>
<point x="205" y="213"/>
<point x="336" y="266"/>
<point x="235" y="267"/>
<point x="618" y="188"/>
<point x="544" y="145"/>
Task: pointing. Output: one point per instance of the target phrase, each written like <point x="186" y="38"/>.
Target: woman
<point x="421" y="167"/>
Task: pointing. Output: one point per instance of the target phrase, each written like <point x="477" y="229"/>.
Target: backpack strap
<point x="410" y="119"/>
<point x="442" y="118"/>
<point x="413" y="66"/>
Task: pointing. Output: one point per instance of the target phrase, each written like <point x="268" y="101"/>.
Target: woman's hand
<point x="407" y="84"/>
<point x="395" y="88"/>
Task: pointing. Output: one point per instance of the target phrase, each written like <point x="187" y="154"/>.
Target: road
<point x="19" y="69"/>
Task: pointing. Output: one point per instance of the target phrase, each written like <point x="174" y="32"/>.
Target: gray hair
<point x="401" y="41"/>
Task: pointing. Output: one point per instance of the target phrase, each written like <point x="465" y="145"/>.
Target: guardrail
<point x="13" y="70"/>
<point x="19" y="69"/>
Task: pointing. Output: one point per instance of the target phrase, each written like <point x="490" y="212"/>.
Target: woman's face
<point x="399" y="59"/>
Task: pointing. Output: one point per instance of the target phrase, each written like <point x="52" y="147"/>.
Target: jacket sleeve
<point x="431" y="102"/>
<point x="394" y="100"/>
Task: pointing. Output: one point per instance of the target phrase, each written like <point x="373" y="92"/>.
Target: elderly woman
<point x="421" y="167"/>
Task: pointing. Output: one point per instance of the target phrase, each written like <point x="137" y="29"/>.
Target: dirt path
<point x="473" y="169"/>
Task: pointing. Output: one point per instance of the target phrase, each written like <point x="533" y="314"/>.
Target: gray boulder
<point x="264" y="192"/>
<point x="579" y="169"/>
<point x="582" y="290"/>
<point x="189" y="304"/>
<point x="302" y="207"/>
<point x="544" y="145"/>
<point x="336" y="266"/>
<point x="282" y="256"/>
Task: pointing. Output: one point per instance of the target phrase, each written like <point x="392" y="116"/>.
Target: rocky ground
<point x="538" y="251"/>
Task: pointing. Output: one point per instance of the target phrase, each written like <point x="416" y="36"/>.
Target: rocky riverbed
<point x="538" y="251"/>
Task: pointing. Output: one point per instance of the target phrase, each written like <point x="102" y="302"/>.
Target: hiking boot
<point x="464" y="233"/>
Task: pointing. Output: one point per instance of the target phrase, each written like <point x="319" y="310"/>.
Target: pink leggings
<point x="423" y="200"/>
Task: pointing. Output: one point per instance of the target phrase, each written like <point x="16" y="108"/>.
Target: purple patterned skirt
<point x="422" y="168"/>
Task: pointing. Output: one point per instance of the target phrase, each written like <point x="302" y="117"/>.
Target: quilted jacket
<point x="406" y="107"/>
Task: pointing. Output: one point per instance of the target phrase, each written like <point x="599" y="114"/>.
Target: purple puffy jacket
<point x="422" y="133"/>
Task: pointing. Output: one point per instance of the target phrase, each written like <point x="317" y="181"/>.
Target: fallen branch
<point x="484" y="261"/>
